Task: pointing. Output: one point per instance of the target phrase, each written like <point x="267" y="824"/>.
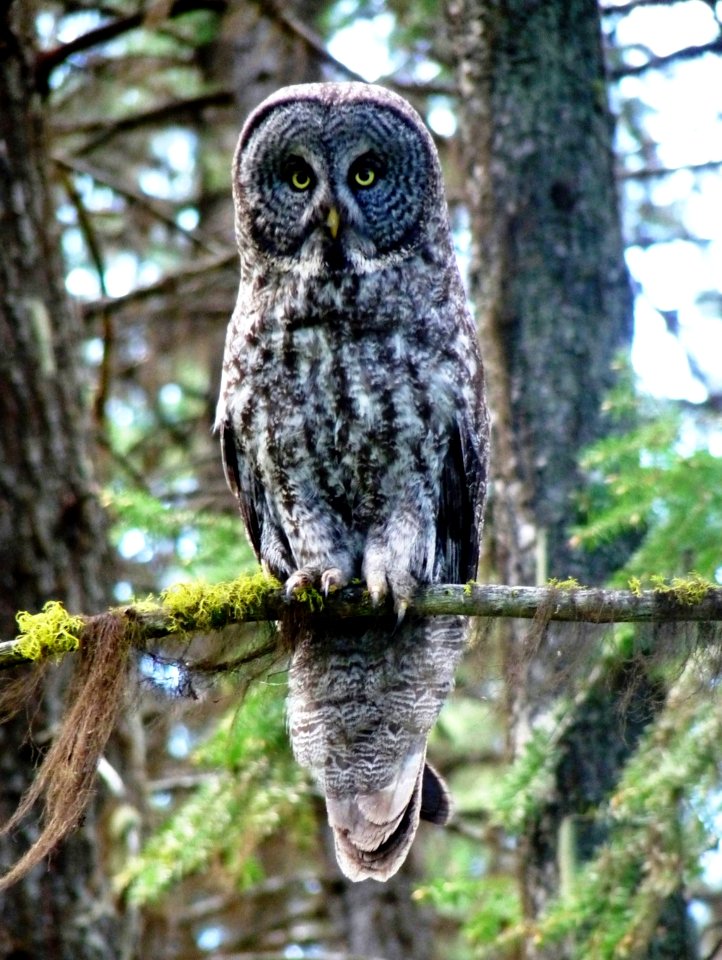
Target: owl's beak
<point x="333" y="221"/>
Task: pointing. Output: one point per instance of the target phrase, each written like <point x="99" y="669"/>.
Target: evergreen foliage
<point x="251" y="789"/>
<point x="659" y="482"/>
<point x="183" y="541"/>
<point x="659" y="819"/>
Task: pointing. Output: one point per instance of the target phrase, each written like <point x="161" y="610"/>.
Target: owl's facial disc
<point x="334" y="186"/>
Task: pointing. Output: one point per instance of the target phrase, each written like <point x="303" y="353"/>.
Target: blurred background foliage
<point x="215" y="839"/>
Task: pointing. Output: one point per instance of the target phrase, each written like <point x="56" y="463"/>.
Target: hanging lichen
<point x="64" y="780"/>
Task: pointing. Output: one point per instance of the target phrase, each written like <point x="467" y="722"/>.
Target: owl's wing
<point x="267" y="538"/>
<point x="463" y="489"/>
<point x="242" y="483"/>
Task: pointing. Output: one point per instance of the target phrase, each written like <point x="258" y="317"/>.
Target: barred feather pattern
<point x="355" y="436"/>
<point x="360" y="704"/>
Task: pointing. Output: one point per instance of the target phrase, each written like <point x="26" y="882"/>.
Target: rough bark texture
<point x="554" y="307"/>
<point x="549" y="280"/>
<point x="52" y="534"/>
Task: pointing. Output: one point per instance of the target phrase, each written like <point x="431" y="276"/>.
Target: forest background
<point x="584" y="762"/>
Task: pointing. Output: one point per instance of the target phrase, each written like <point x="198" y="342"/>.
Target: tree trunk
<point x="549" y="283"/>
<point x="52" y="530"/>
<point x="548" y="278"/>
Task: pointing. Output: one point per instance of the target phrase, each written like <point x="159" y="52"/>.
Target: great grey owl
<point x="355" y="437"/>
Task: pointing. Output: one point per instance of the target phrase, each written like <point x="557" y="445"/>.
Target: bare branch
<point x="621" y="9"/>
<point x="295" y="28"/>
<point x="650" y="173"/>
<point x="155" y="116"/>
<point x="156" y="208"/>
<point x="656" y="63"/>
<point x="50" y="59"/>
<point x="86" y="228"/>
<point x="166" y="285"/>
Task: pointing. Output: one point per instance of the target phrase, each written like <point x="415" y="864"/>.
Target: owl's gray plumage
<point x="355" y="436"/>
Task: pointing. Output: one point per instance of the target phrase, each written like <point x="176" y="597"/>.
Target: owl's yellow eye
<point x="364" y="177"/>
<point x="366" y="171"/>
<point x="298" y="174"/>
<point x="300" y="180"/>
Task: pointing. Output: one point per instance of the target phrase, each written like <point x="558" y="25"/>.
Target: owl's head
<point x="336" y="176"/>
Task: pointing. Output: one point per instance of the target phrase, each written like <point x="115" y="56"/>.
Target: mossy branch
<point x="187" y="609"/>
<point x="104" y="645"/>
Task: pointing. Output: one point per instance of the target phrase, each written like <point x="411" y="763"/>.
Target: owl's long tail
<point x="361" y="705"/>
<point x="373" y="832"/>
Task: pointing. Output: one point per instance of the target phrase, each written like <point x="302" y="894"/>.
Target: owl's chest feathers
<point x="344" y="402"/>
<point x="335" y="379"/>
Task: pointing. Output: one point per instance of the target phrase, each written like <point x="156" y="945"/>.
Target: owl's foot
<point x="300" y="580"/>
<point x="381" y="581"/>
<point x="328" y="580"/>
<point x="332" y="580"/>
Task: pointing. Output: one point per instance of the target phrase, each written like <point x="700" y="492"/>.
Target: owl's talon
<point x="401" y="605"/>
<point x="332" y="580"/>
<point x="300" y="580"/>
<point x="377" y="588"/>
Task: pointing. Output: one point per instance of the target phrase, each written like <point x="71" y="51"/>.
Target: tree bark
<point x="548" y="276"/>
<point x="52" y="529"/>
<point x="554" y="307"/>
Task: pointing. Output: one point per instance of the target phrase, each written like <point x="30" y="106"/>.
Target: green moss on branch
<point x="190" y="608"/>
